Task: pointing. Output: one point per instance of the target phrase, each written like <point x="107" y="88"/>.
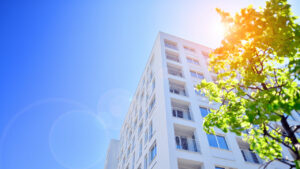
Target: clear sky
<point x="69" y="68"/>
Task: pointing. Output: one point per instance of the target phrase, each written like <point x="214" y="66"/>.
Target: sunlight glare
<point x="219" y="28"/>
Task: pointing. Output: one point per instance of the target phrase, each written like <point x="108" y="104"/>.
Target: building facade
<point x="163" y="127"/>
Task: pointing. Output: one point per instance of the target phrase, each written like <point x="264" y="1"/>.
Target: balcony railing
<point x="171" y="45"/>
<point x="184" y="114"/>
<point x="172" y="57"/>
<point x="188" y="144"/>
<point x="178" y="89"/>
<point x="175" y="71"/>
<point x="252" y="157"/>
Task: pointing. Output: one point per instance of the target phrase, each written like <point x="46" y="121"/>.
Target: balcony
<point x="181" y="110"/>
<point x="177" y="88"/>
<point x="185" y="139"/>
<point x="172" y="56"/>
<point x="188" y="164"/>
<point x="185" y="143"/>
<point x="249" y="155"/>
<point x="174" y="71"/>
<point x="171" y="45"/>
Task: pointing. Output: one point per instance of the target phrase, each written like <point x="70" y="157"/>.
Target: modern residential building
<point x="163" y="127"/>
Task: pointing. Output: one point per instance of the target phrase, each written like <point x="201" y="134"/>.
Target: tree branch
<point x="266" y="133"/>
<point x="297" y="127"/>
<point x="256" y="88"/>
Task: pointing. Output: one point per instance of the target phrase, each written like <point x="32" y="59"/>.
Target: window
<point x="153" y="85"/>
<point x="152" y="104"/>
<point x="133" y="144"/>
<point x="140" y="128"/>
<point x="290" y="117"/>
<point x="135" y="122"/>
<point x="152" y="153"/>
<point x="177" y="88"/>
<point x="222" y="142"/>
<point x="197" y="75"/>
<point x="172" y="56"/>
<point x="146" y="115"/>
<point x="192" y="60"/>
<point x="198" y="92"/>
<point x="145" y="162"/>
<point x="140" y="113"/>
<point x="130" y="134"/>
<point x="146" y="136"/>
<point x="133" y="160"/>
<point x="171" y="44"/>
<point x="141" y="148"/>
<point x="150" y="76"/>
<point x="147" y="97"/>
<point x="150" y="130"/>
<point x="175" y="71"/>
<point x="204" y="111"/>
<point x="204" y="53"/>
<point x="181" y="111"/>
<point x="142" y="96"/>
<point x="128" y="151"/>
<point x="217" y="141"/>
<point x="186" y="143"/>
<point x="250" y="156"/>
<point x="178" y="113"/>
<point x="189" y="49"/>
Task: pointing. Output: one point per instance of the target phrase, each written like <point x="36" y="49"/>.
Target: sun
<point x="220" y="29"/>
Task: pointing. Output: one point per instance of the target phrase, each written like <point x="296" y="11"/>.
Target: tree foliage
<point x="257" y="67"/>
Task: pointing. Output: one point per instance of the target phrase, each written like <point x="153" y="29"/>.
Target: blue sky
<point x="69" y="68"/>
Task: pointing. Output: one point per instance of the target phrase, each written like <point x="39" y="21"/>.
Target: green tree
<point x="257" y="67"/>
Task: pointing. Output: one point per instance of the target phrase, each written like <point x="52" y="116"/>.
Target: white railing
<point x="188" y="144"/>
<point x="172" y="57"/>
<point x="172" y="46"/>
<point x="175" y="72"/>
<point x="177" y="89"/>
<point x="181" y="114"/>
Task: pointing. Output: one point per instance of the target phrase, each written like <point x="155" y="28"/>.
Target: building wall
<point x="170" y="154"/>
<point x="112" y="154"/>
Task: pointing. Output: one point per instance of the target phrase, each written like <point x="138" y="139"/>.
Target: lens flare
<point x="220" y="29"/>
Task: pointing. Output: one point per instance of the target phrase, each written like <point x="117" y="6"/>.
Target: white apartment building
<point x="163" y="127"/>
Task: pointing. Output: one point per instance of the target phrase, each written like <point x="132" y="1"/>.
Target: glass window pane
<point x="204" y="111"/>
<point x="198" y="92"/>
<point x="145" y="162"/>
<point x="212" y="140"/>
<point x="174" y="113"/>
<point x="184" y="143"/>
<point x="193" y="74"/>
<point x="153" y="153"/>
<point x="200" y="76"/>
<point x="222" y="142"/>
<point x="177" y="142"/>
<point x="180" y="114"/>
